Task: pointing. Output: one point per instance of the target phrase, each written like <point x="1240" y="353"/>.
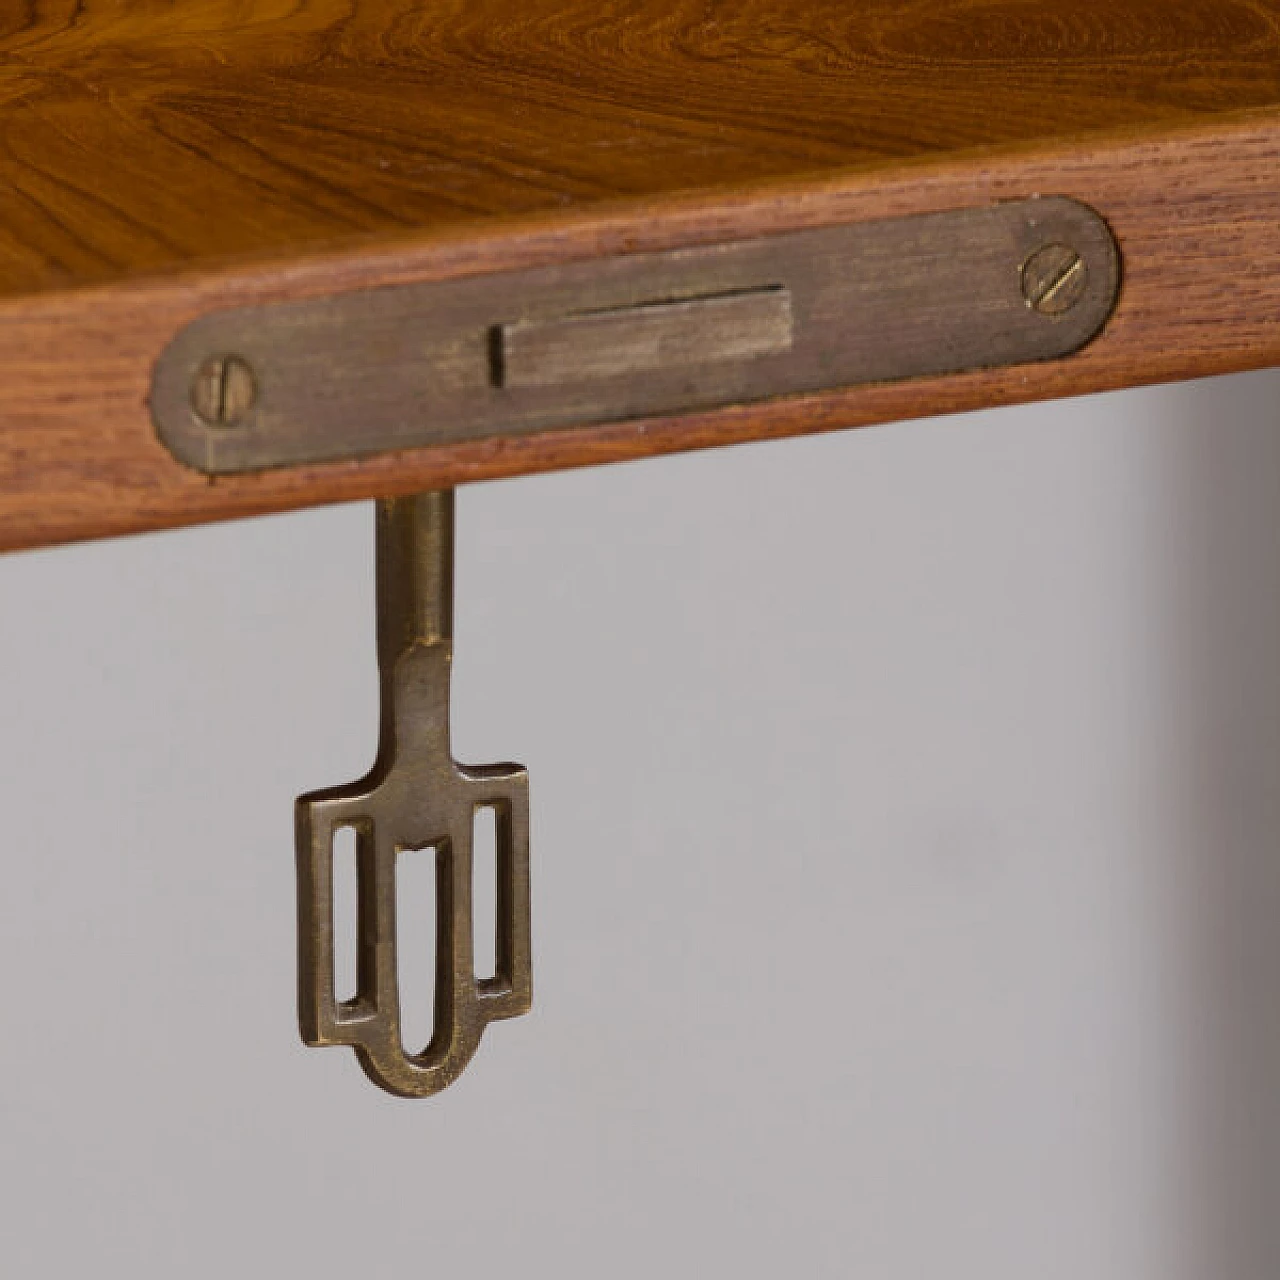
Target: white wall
<point x="906" y="813"/>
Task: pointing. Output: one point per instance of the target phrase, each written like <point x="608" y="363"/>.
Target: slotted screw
<point x="1054" y="279"/>
<point x="224" y="391"/>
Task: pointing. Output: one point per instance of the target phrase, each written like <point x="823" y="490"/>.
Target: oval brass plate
<point x="646" y="334"/>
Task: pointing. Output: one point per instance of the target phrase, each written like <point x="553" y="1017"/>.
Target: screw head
<point x="1054" y="279"/>
<point x="224" y="390"/>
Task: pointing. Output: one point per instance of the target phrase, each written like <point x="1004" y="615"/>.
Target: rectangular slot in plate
<point x="640" y="339"/>
<point x="635" y="335"/>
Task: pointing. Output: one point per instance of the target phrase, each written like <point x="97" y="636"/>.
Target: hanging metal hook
<point x="415" y="797"/>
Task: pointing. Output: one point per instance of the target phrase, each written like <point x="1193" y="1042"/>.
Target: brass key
<point x="415" y="797"/>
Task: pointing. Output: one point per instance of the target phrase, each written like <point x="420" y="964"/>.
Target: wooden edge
<point x="1196" y="214"/>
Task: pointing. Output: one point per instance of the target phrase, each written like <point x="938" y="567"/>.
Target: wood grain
<point x="148" y="135"/>
<point x="161" y="160"/>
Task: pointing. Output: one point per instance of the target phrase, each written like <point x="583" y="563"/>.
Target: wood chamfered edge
<point x="1196" y="215"/>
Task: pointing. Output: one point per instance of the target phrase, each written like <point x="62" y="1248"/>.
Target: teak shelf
<point x="166" y="161"/>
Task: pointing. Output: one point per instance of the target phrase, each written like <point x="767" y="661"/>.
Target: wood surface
<point x="161" y="160"/>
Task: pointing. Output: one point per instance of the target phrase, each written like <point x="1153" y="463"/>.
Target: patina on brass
<point x="415" y="797"/>
<point x="513" y="353"/>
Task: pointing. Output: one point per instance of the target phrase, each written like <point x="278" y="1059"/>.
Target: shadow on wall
<point x="1222" y="648"/>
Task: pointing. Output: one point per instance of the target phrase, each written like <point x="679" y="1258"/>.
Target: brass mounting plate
<point x="405" y="366"/>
